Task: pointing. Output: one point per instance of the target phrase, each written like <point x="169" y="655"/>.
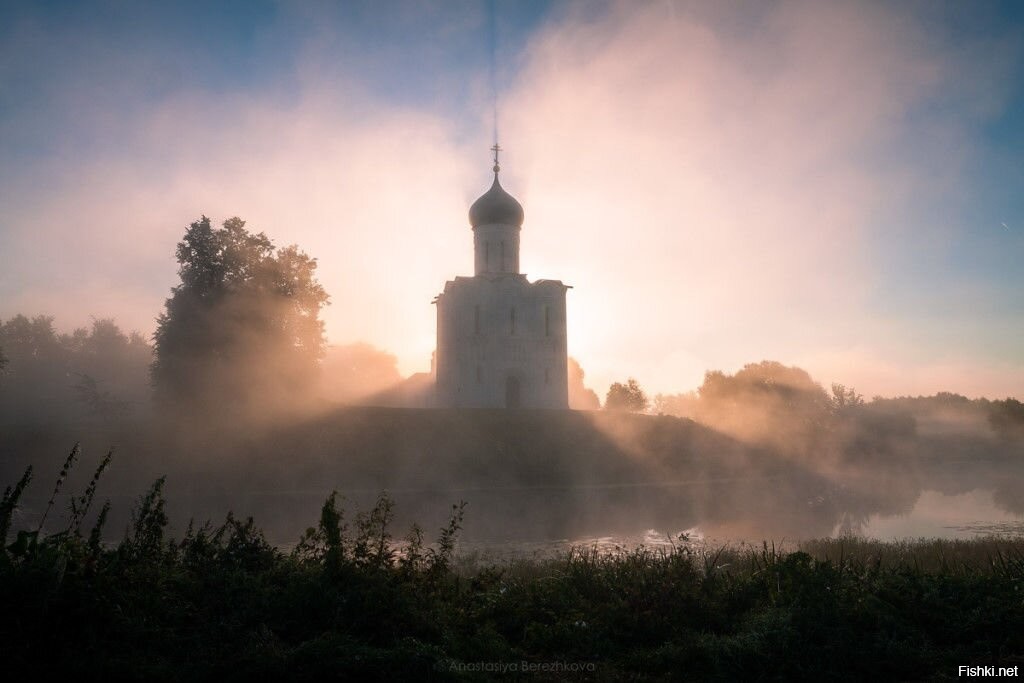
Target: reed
<point x="351" y="602"/>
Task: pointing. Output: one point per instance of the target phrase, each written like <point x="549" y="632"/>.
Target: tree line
<point x="241" y="335"/>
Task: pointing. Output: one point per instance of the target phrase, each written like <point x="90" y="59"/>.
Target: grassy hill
<point x="524" y="474"/>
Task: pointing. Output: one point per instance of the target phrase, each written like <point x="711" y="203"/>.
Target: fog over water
<point x="795" y="469"/>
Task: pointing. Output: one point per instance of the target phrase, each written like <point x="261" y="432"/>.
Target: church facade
<point x="501" y="339"/>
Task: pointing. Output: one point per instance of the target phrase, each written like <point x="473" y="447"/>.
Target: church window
<point x="512" y="320"/>
<point x="476" y="320"/>
<point x="547" y="321"/>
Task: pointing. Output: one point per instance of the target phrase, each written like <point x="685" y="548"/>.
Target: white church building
<point x="501" y="339"/>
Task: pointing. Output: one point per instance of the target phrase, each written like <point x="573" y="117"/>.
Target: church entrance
<point x="512" y="399"/>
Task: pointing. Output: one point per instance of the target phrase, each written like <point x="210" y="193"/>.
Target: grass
<point x="352" y="601"/>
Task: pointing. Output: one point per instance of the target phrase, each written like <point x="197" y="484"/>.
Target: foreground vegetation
<point x="351" y="601"/>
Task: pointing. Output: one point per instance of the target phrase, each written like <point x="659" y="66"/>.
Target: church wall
<point x="481" y="343"/>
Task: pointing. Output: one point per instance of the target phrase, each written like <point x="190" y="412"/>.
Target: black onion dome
<point x="496" y="206"/>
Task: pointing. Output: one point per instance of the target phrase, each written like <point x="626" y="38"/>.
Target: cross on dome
<point x="496" y="149"/>
<point x="496" y="207"/>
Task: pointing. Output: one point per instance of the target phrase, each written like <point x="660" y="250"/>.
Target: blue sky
<point x="833" y="185"/>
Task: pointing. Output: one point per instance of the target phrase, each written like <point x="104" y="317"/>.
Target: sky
<point x="833" y="185"/>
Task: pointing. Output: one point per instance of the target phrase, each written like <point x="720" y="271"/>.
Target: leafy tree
<point x="844" y="398"/>
<point x="679" y="405"/>
<point x="628" y="396"/>
<point x="1007" y="418"/>
<point x="243" y="327"/>
<point x="43" y="367"/>
<point x="29" y="338"/>
<point x="580" y="397"/>
<point x="767" y="403"/>
<point x="36" y="369"/>
<point x="98" y="400"/>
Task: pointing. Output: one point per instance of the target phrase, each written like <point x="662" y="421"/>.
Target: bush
<point x="351" y="601"/>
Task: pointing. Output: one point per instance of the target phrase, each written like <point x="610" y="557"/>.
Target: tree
<point x="37" y="365"/>
<point x="97" y="400"/>
<point x="844" y="398"/>
<point x="767" y="403"/>
<point x="1007" y="418"/>
<point x="243" y="328"/>
<point x="628" y="396"/>
<point x="679" y="405"/>
<point x="40" y="382"/>
<point x="580" y="397"/>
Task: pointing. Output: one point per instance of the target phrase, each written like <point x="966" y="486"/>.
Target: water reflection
<point x="934" y="514"/>
<point x="941" y="515"/>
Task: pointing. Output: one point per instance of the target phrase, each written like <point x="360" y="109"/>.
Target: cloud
<point x="377" y="195"/>
<point x="712" y="182"/>
<point x="710" y="179"/>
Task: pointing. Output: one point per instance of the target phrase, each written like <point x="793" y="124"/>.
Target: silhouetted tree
<point x="679" y="405"/>
<point x="628" y="396"/>
<point x="98" y="401"/>
<point x="844" y="398"/>
<point x="580" y="397"/>
<point x="243" y="328"/>
<point x="36" y="376"/>
<point x="1007" y="418"/>
<point x="29" y="338"/>
<point x="767" y="403"/>
<point x="43" y="366"/>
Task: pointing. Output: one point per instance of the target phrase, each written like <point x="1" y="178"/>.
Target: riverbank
<point x="348" y="601"/>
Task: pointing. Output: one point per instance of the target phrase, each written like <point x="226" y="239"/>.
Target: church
<point x="501" y="339"/>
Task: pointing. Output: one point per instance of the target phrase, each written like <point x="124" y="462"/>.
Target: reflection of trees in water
<point x="984" y="464"/>
<point x="806" y="504"/>
<point x="856" y="509"/>
<point x="1008" y="495"/>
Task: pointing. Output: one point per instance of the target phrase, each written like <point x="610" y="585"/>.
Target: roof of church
<point x="496" y="206"/>
<point x="462" y="282"/>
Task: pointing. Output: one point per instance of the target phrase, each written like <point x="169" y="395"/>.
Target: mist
<point x="795" y="173"/>
<point x="765" y="452"/>
<point x="722" y="374"/>
<point x="752" y="206"/>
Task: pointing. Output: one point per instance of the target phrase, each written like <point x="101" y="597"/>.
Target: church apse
<point x="501" y="339"/>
